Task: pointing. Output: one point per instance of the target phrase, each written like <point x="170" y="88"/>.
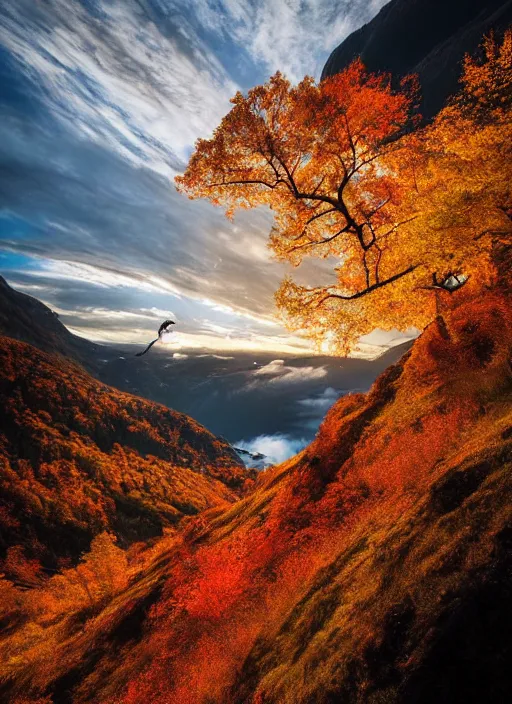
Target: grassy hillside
<point x="79" y="457"/>
<point x="374" y="567"/>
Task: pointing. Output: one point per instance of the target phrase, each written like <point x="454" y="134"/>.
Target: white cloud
<point x="214" y="356"/>
<point x="378" y="341"/>
<point x="157" y="313"/>
<point x="293" y="36"/>
<point x="219" y="343"/>
<point x="274" y="367"/>
<point x="312" y="410"/>
<point x="276" y="448"/>
<point x="105" y="278"/>
<point x="321" y="402"/>
<point x="120" y="79"/>
<point x="278" y="373"/>
<point x="61" y="270"/>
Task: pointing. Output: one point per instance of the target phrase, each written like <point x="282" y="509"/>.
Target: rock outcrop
<point x="424" y="37"/>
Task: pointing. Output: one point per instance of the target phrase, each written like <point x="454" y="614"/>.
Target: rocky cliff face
<point x="424" y="37"/>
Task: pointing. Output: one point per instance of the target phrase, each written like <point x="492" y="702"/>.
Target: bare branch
<point x="377" y="263"/>
<point x="325" y="240"/>
<point x="311" y="219"/>
<point x="319" y="215"/>
<point x="369" y="289"/>
<point x="319" y="184"/>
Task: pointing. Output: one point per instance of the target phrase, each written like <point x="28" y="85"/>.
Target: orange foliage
<point x="220" y="580"/>
<point x="239" y="578"/>
<point x="247" y="588"/>
<point x="79" y="458"/>
<point x="401" y="212"/>
<point x="27" y="572"/>
<point x="225" y="595"/>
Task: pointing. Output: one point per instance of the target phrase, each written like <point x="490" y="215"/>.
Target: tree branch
<point x="492" y="232"/>
<point x="369" y="289"/>
<point x="395" y="227"/>
<point x="319" y="215"/>
<point x="325" y="240"/>
<point x="247" y="181"/>
<point x="373" y="212"/>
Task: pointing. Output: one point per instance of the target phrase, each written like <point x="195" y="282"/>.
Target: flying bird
<point x="161" y="330"/>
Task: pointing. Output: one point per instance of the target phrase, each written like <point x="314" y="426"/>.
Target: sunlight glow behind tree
<point x="349" y="174"/>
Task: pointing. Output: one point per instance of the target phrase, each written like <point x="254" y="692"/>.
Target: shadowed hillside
<point x="79" y="457"/>
<point x="373" y="567"/>
<point x="25" y="318"/>
<point x="424" y="37"/>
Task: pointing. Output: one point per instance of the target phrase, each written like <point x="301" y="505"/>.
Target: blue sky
<point x="100" y="104"/>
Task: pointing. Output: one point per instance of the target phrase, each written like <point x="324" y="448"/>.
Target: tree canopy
<point x="350" y="175"/>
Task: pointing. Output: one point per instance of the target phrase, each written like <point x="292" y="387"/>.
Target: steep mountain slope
<point x="373" y="567"/>
<point x="424" y="37"/>
<point x="79" y="457"/>
<point x="24" y="318"/>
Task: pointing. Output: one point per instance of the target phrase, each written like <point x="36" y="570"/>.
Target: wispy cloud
<point x="101" y="103"/>
<point x="293" y="36"/>
<point x="147" y="90"/>
<point x="116" y="308"/>
<point x="277" y="372"/>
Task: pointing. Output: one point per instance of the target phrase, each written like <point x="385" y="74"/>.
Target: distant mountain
<point x="254" y="460"/>
<point x="426" y="37"/>
<point x="78" y="457"/>
<point x="239" y="395"/>
<point x="246" y="394"/>
<point x="23" y="317"/>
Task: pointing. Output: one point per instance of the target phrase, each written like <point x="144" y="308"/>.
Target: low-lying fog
<point x="258" y="402"/>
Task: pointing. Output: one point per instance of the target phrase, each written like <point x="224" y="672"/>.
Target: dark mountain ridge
<point x="424" y="37"/>
<point x="24" y="318"/>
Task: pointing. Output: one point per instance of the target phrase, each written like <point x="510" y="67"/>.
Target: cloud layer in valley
<point x="276" y="448"/>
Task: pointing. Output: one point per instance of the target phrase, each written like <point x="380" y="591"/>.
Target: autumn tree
<point x="349" y="179"/>
<point x="469" y="154"/>
<point x="105" y="566"/>
<point x="101" y="574"/>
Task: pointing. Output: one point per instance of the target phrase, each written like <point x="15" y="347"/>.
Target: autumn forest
<point x="141" y="561"/>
